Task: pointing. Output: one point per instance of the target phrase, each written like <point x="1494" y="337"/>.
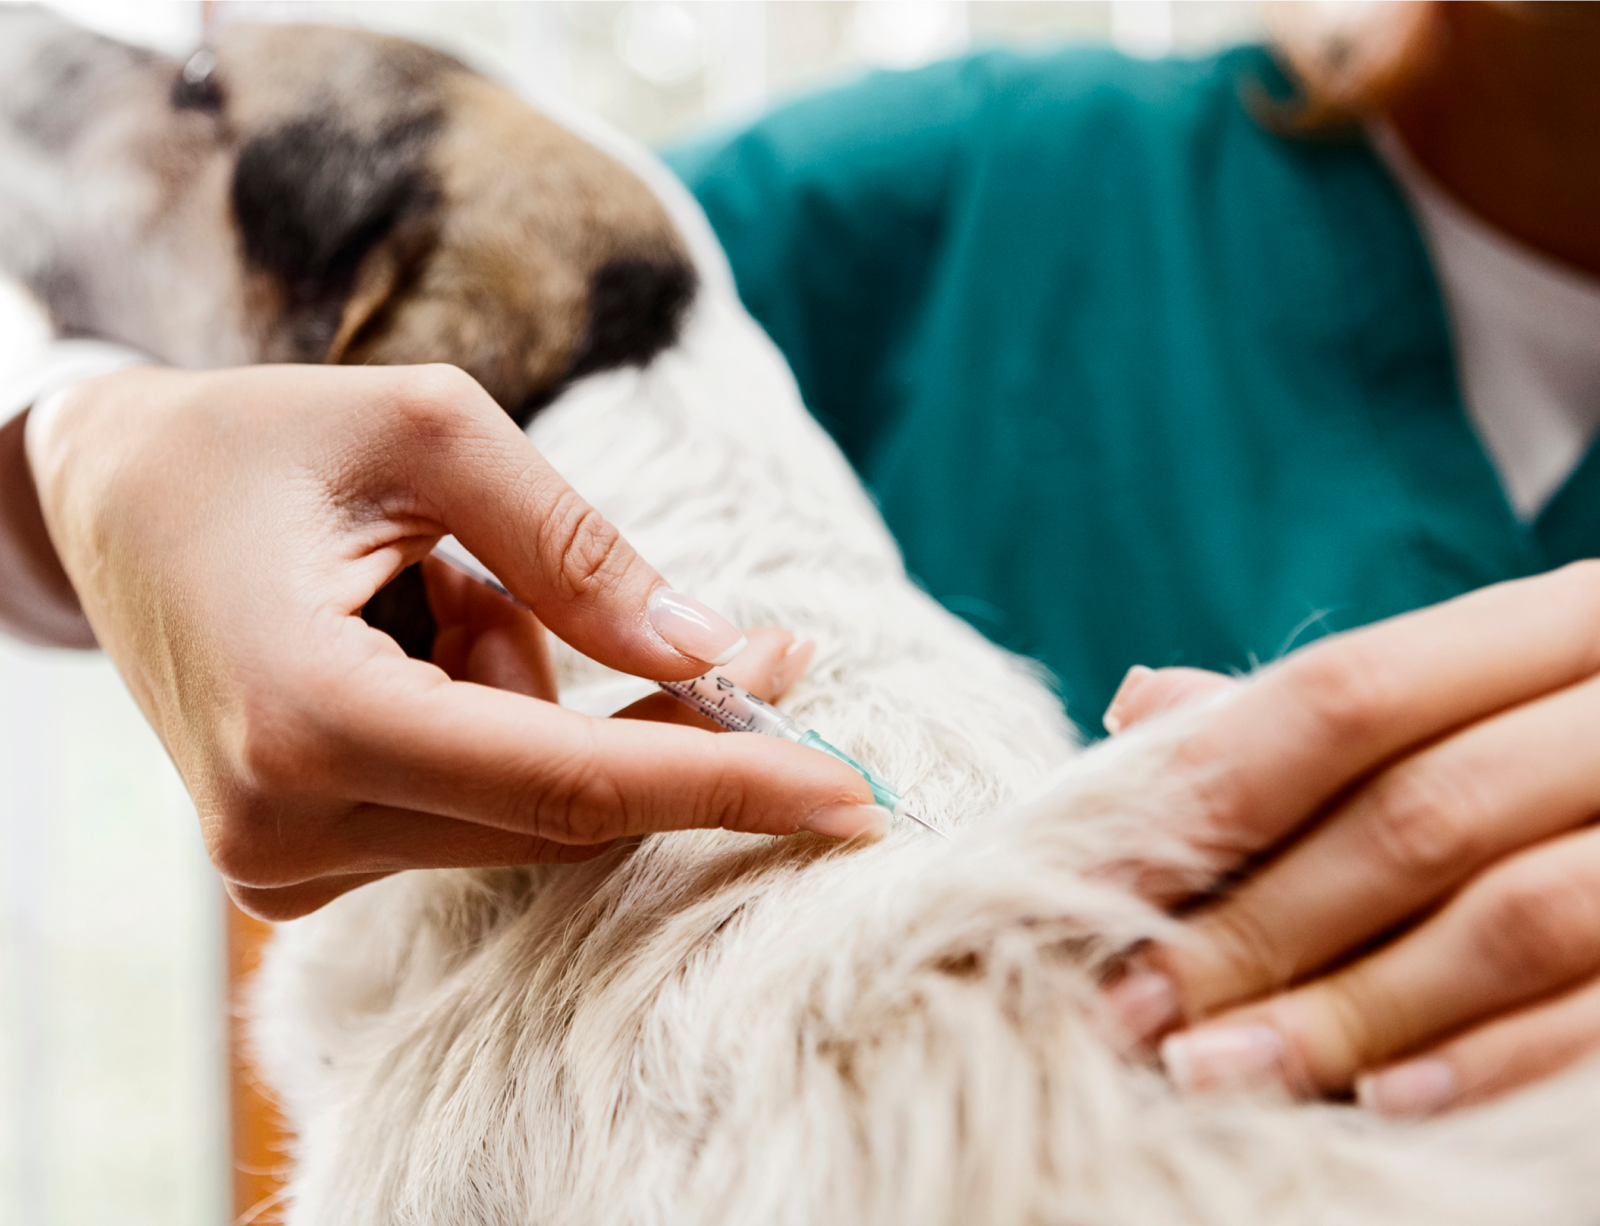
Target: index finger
<point x="460" y="462"/>
<point x="1306" y="728"/>
<point x="408" y="737"/>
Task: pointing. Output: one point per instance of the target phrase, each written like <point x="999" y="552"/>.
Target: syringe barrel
<point x="732" y="706"/>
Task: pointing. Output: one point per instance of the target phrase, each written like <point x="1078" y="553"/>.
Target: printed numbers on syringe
<point x="736" y="709"/>
<point x="717" y="711"/>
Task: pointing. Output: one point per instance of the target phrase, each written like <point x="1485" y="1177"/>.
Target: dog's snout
<point x="636" y="307"/>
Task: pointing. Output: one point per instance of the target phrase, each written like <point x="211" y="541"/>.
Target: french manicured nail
<point x="1223" y="1057"/>
<point x="697" y="631"/>
<point x="849" y="821"/>
<point x="1112" y="719"/>
<point x="1142" y="1004"/>
<point x="1418" y="1088"/>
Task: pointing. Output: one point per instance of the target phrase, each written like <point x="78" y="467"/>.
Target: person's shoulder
<point x="1015" y="82"/>
<point x="1015" y="119"/>
<point x="1060" y="78"/>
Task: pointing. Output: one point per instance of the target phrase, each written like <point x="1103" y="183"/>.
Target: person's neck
<point x="1505" y="115"/>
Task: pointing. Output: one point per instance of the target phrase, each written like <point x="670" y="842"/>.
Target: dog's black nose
<point x="636" y="307"/>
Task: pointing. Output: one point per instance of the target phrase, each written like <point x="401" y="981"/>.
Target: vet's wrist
<point x="37" y="601"/>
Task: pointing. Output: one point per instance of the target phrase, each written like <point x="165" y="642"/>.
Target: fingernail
<point x="697" y="631"/>
<point x="1418" y="1088"/>
<point x="849" y="821"/>
<point x="1130" y="679"/>
<point x="1223" y="1057"/>
<point x="1142" y="1003"/>
<point x="792" y="665"/>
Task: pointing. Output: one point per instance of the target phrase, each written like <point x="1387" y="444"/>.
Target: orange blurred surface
<point x="260" y="1139"/>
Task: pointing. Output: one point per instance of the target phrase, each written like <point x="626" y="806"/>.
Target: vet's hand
<point x="1438" y="910"/>
<point x="223" y="531"/>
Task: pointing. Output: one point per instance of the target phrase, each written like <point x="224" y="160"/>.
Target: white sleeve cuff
<point x="56" y="367"/>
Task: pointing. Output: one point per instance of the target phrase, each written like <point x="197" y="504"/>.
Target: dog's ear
<point x="336" y="218"/>
<point x="386" y="267"/>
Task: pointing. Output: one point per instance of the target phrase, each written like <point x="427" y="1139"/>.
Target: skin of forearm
<point x="37" y="603"/>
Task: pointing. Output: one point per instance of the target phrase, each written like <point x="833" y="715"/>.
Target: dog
<point x="707" y="1027"/>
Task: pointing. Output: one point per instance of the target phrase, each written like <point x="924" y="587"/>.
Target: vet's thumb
<point x="568" y="563"/>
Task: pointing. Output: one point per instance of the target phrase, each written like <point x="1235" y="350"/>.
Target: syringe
<point x="738" y="710"/>
<point x="720" y="700"/>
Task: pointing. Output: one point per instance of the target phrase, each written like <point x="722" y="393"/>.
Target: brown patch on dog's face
<point x="545" y="241"/>
<point x="395" y="207"/>
<point x="332" y="130"/>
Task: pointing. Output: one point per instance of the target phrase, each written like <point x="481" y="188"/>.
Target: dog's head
<point x="334" y="195"/>
<point x="393" y="206"/>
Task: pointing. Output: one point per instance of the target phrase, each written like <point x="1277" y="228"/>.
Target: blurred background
<point x="113" y="1074"/>
<point x="656" y="69"/>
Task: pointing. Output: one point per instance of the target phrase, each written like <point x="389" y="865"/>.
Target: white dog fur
<point x="716" y="1028"/>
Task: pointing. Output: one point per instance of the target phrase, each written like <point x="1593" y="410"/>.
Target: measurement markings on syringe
<point x="718" y="712"/>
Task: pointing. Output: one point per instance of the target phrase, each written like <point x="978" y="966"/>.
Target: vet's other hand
<point x="224" y="530"/>
<point x="1426" y="928"/>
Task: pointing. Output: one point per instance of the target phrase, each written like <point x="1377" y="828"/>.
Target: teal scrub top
<point x="1133" y="379"/>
